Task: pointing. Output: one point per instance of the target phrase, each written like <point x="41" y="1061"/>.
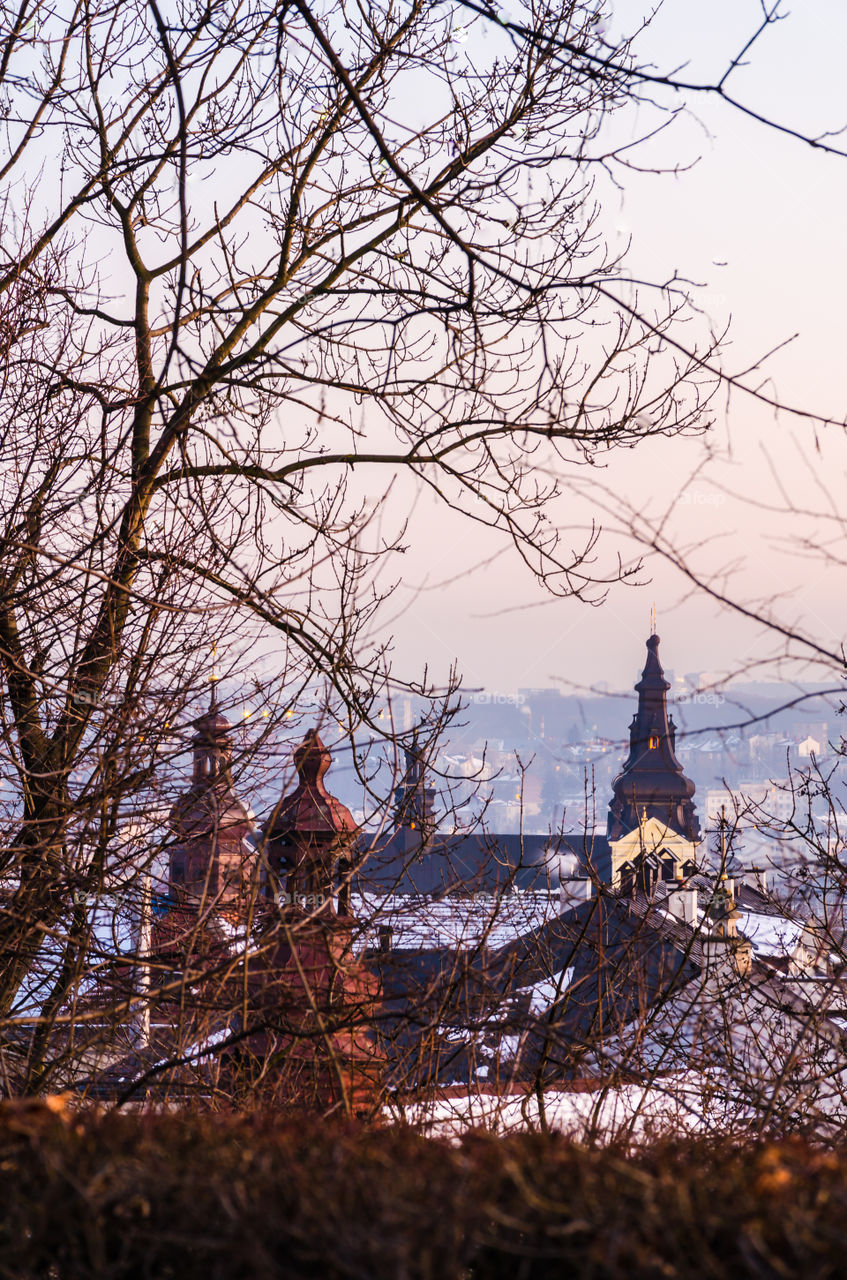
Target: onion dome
<point x="310" y="809"/>
<point x="652" y="783"/>
<point x="309" y="831"/>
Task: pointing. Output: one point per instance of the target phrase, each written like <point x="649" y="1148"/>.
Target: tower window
<point x="654" y="743"/>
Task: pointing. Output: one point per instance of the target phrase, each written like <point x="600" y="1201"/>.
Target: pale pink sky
<point x="772" y="210"/>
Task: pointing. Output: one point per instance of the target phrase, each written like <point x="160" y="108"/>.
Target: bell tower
<point x="414" y="801"/>
<point x="652" y="783"/>
<point x="213" y="858"/>
<point x="310" y="836"/>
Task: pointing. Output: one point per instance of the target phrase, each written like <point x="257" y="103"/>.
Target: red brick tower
<point x="213" y="859"/>
<point x="313" y="994"/>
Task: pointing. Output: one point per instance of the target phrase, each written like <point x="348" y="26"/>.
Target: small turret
<point x="723" y="910"/>
<point x="213" y="857"/>
<point x="726" y="952"/>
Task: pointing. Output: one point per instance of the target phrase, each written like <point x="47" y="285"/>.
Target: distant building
<point x="817" y="730"/>
<point x="652" y="814"/>
<point x="753" y="803"/>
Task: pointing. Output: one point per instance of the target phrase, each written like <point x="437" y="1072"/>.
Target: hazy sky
<point x="758" y="221"/>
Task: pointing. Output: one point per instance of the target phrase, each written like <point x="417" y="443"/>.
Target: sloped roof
<point x="408" y="862"/>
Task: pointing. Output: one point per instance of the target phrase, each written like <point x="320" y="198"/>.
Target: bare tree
<point x="265" y="273"/>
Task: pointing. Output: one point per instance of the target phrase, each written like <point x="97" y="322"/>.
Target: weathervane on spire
<point x="653" y="619"/>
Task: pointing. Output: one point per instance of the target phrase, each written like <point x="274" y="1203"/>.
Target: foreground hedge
<point x="177" y="1196"/>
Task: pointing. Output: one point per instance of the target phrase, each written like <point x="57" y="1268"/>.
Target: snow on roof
<point x="548" y="990"/>
<point x="197" y="1052"/>
<point x="466" y="923"/>
<point x="770" y="935"/>
<point x="637" y="1110"/>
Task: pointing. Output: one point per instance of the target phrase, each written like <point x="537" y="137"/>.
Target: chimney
<point x="726" y="959"/>
<point x="574" y="890"/>
<point x="682" y="902"/>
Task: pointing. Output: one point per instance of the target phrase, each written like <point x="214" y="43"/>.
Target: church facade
<point x="653" y="831"/>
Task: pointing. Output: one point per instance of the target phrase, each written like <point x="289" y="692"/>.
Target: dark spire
<point x="414" y="802"/>
<point x="652" y="782"/>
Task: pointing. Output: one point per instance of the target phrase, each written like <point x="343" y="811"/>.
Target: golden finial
<point x="214" y="675"/>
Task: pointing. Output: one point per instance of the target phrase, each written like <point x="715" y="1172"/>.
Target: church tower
<point x="652" y="782"/>
<point x="652" y="814"/>
<point x="213" y="857"/>
<point x="414" y="802"/>
<point x="316" y="997"/>
<point x="310" y="836"/>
